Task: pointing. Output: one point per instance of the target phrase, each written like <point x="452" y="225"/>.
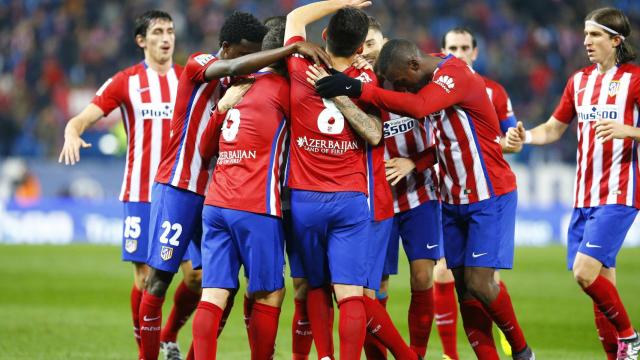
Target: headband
<point x="595" y="23"/>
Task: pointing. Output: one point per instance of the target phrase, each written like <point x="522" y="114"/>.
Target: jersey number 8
<point x="231" y="124"/>
<point x="330" y="120"/>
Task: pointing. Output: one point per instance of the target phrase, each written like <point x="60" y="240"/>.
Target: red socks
<point x="502" y="313"/>
<point x="301" y="331"/>
<point x="136" y="299"/>
<point x="477" y="325"/>
<point x="205" y="328"/>
<point x="352" y="327"/>
<point x="263" y="328"/>
<point x="150" y="321"/>
<point x="606" y="333"/>
<point x="226" y="312"/>
<point x="420" y="319"/>
<point x="247" y="308"/>
<point x="373" y="348"/>
<point x="606" y="297"/>
<point x="320" y="312"/>
<point x="185" y="302"/>
<point x="446" y="316"/>
<point x="380" y="325"/>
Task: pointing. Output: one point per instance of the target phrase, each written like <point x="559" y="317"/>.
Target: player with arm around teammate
<point x="477" y="185"/>
<point x="242" y="220"/>
<point x="146" y="94"/>
<point x="184" y="173"/>
<point x="604" y="97"/>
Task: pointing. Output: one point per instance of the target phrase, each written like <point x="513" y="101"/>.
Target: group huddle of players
<point x="336" y="154"/>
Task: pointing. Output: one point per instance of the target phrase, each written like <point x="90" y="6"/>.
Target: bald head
<point x="397" y="52"/>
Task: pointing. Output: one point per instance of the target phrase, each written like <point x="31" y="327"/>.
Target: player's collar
<point x="445" y="59"/>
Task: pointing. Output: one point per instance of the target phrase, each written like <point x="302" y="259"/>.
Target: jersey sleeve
<point x="502" y="104"/>
<point x="425" y="159"/>
<point x="197" y="65"/>
<point x="447" y="89"/>
<point x="566" y="110"/>
<point x="284" y="100"/>
<point x="209" y="144"/>
<point x="112" y="93"/>
<point x="296" y="63"/>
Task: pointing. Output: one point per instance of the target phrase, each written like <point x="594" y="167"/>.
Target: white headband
<point x="594" y="23"/>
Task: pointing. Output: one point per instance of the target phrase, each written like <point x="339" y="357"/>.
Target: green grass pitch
<point x="72" y="302"/>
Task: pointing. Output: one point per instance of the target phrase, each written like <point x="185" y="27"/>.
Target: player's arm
<point x="70" y="153"/>
<point x="250" y="63"/>
<point x="398" y="168"/>
<point x="368" y="126"/>
<point x="543" y="134"/>
<point x="299" y="18"/>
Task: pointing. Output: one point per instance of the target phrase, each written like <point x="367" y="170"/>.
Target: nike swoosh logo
<point x="303" y="323"/>
<point x="348" y="87"/>
<point x="477" y="255"/>
<point x="429" y="246"/>
<point x="141" y="90"/>
<point x="145" y="318"/>
<point x="440" y="316"/>
<point x="589" y="245"/>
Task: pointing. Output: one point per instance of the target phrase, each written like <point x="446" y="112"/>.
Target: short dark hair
<point x="347" y="31"/>
<point x="242" y="25"/>
<point x="143" y="21"/>
<point x="395" y="51"/>
<point x="273" y="40"/>
<point x="273" y="21"/>
<point x="459" y="30"/>
<point x="616" y="20"/>
<point x="374" y="24"/>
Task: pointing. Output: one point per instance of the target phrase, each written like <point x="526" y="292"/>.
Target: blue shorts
<point x="480" y="234"/>
<point x="331" y="230"/>
<point x="176" y="223"/>
<point x="421" y="232"/>
<point x="599" y="232"/>
<point x="232" y="238"/>
<point x="135" y="235"/>
<point x="293" y="255"/>
<point x="379" y="235"/>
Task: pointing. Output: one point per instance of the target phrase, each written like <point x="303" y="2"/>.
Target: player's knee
<point x="271" y="298"/>
<point x="478" y="287"/>
<point x="421" y="280"/>
<point x="583" y="278"/>
<point x="300" y="288"/>
<point x="158" y="282"/>
<point x="193" y="280"/>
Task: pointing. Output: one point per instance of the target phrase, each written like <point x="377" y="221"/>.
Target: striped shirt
<point x="146" y="100"/>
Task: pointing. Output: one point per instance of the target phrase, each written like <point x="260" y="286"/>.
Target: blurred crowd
<point x="54" y="54"/>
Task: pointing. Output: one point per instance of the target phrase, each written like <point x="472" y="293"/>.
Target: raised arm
<point x="299" y="18"/>
<point x="250" y="63"/>
<point x="368" y="127"/>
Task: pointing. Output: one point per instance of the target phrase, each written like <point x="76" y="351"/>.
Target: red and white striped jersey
<point x="380" y="198"/>
<point x="407" y="137"/>
<point x="467" y="132"/>
<point x="146" y="101"/>
<point x="250" y="142"/>
<point x="607" y="172"/>
<point x="183" y="166"/>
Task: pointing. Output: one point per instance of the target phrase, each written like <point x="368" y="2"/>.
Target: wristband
<point x="528" y="137"/>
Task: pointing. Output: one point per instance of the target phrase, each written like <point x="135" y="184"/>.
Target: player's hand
<point x="397" y="169"/>
<point x="608" y="130"/>
<point x="361" y="63"/>
<point x="360" y="4"/>
<point x="234" y="94"/>
<point x="338" y="84"/>
<point x="314" y="52"/>
<point x="315" y="73"/>
<point x="71" y="149"/>
<point x="515" y="137"/>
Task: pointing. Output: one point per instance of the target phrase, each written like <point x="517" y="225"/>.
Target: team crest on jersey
<point x="166" y="253"/>
<point x="614" y="85"/>
<point x="131" y="245"/>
